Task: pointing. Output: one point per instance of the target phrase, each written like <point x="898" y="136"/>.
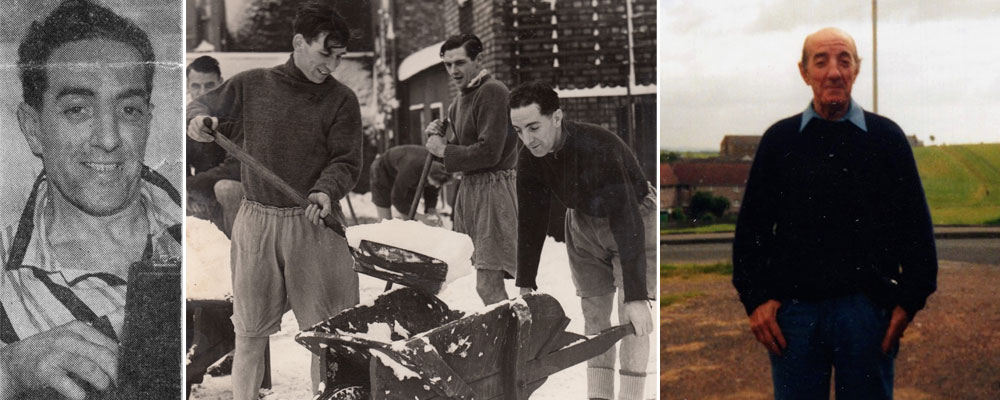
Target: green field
<point x="962" y="183"/>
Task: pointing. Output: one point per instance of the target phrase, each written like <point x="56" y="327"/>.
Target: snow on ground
<point x="289" y="360"/>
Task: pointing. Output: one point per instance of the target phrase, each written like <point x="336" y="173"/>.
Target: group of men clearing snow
<point x="306" y="127"/>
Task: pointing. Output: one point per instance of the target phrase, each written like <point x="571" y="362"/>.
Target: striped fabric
<point x="40" y="294"/>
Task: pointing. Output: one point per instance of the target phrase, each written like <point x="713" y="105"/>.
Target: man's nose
<point x="105" y="133"/>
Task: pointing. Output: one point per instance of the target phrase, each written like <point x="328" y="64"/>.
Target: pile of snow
<point x="454" y="248"/>
<point x="207" y="274"/>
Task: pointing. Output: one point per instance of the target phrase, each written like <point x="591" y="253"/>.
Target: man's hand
<point x="764" y="324"/>
<point x="198" y="131"/>
<point x="526" y="290"/>
<point x="47" y="359"/>
<point x="434" y="128"/>
<point x="897" y="324"/>
<point x="638" y="313"/>
<point x="436" y="145"/>
<point x="430" y="219"/>
<point x="319" y="208"/>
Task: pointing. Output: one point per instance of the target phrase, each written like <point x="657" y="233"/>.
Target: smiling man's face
<point x="93" y="124"/>
<point x="319" y="58"/>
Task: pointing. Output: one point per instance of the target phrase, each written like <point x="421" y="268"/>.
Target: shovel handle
<point x="269" y="176"/>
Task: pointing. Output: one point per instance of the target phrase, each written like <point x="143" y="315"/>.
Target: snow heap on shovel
<point x="454" y="248"/>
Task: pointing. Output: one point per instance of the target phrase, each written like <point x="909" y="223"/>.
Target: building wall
<point x="425" y="88"/>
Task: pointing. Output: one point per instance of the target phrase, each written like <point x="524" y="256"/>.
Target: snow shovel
<point x="270" y="176"/>
<point x="382" y="261"/>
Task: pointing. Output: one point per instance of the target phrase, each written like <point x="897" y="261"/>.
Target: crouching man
<point x="610" y="227"/>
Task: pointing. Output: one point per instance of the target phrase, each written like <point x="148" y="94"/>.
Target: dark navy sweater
<point x="594" y="173"/>
<point x="832" y="211"/>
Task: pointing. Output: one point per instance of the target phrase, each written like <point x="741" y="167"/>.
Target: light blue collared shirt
<point x="855" y="115"/>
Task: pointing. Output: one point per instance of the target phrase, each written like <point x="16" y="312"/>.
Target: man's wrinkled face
<point x="461" y="68"/>
<point x="540" y="133"/>
<point x="830" y="68"/>
<point x="200" y="83"/>
<point x="319" y="58"/>
<point x="92" y="127"/>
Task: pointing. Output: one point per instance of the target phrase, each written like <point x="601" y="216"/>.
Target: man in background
<point x="214" y="190"/>
<point x="483" y="149"/>
<point x="395" y="176"/>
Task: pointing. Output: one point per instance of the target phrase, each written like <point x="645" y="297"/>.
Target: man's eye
<point x="195" y="86"/>
<point x="74" y="110"/>
<point x="209" y="86"/>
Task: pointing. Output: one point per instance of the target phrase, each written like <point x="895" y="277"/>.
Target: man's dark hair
<point x="535" y="92"/>
<point x="205" y="65"/>
<point x="314" y="18"/>
<point x="73" y="21"/>
<point x="471" y="43"/>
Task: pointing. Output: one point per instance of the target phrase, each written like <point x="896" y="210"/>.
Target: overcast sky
<point x="729" y="67"/>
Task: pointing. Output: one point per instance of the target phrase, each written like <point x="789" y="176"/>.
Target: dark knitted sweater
<point x="485" y="140"/>
<point x="396" y="175"/>
<point x="831" y="211"/>
<point x="596" y="174"/>
<point x="309" y="134"/>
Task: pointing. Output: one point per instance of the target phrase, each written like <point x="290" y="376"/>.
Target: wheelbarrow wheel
<point x="345" y="393"/>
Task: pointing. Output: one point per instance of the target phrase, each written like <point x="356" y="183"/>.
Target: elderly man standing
<point x="305" y="126"/>
<point x="610" y="227"/>
<point x="484" y="151"/>
<point x="96" y="219"/>
<point x="834" y="250"/>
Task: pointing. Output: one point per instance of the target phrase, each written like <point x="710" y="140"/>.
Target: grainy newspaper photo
<point x="90" y="207"/>
<point x="366" y="179"/>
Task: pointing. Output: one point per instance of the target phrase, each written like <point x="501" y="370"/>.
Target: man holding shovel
<point x="305" y="126"/>
<point x="484" y="151"/>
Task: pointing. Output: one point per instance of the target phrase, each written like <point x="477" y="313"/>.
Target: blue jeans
<point x="844" y="333"/>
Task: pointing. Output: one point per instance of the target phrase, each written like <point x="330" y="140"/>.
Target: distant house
<point x="739" y="147"/>
<point x="669" y="188"/>
<point x="914" y="142"/>
<point x="681" y="180"/>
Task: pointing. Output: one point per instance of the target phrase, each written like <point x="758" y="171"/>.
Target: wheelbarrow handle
<point x="576" y="353"/>
<point x="269" y="176"/>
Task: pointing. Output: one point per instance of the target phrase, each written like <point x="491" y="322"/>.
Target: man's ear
<point x="298" y="41"/>
<point x="557" y="117"/>
<point x="31" y="127"/>
<point x="802" y="72"/>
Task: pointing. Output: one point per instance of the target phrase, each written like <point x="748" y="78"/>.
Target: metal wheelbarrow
<point x="410" y="345"/>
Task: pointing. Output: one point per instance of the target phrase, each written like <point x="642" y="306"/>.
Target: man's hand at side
<point x="47" y="359"/>
<point x="897" y="324"/>
<point x="198" y="131"/>
<point x="319" y="208"/>
<point x="764" y="324"/>
<point x="638" y="313"/>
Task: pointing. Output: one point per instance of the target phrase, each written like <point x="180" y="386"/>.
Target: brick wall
<point x="417" y="25"/>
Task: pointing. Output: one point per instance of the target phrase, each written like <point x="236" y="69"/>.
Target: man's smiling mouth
<point x="103" y="166"/>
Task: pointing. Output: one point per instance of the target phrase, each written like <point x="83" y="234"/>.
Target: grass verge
<point x="685" y="271"/>
<point x="675" y="298"/>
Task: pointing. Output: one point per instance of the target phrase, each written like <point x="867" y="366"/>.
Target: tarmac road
<point x="973" y="250"/>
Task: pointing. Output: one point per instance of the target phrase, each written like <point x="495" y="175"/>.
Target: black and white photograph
<point x="437" y="199"/>
<point x="90" y="201"/>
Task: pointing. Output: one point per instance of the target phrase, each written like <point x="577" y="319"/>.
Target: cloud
<point x="783" y="15"/>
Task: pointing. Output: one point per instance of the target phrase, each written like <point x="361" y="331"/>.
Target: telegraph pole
<point x="875" y="56"/>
